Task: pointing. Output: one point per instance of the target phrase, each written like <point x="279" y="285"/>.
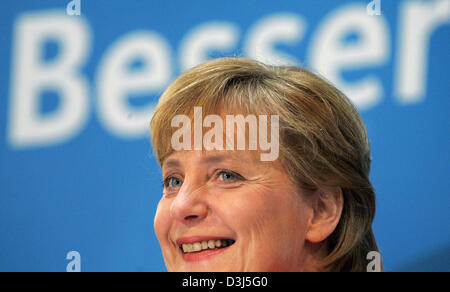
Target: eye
<point x="172" y="182"/>
<point x="229" y="176"/>
<point x="226" y="175"/>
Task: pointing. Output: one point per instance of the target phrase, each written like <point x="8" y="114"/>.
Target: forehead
<point x="177" y="158"/>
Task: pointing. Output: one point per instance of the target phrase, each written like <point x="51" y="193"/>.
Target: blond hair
<point x="323" y="141"/>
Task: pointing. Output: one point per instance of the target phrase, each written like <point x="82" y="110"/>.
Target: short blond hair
<point x="323" y="141"/>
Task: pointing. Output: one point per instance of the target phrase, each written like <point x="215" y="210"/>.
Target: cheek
<point x="162" y="222"/>
<point x="261" y="209"/>
<point x="271" y="224"/>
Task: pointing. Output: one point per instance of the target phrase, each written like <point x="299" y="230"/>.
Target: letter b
<point x="32" y="75"/>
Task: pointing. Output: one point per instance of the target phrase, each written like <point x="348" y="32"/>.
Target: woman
<point x="224" y="208"/>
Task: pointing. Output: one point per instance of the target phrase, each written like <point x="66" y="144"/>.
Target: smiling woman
<point x="311" y="209"/>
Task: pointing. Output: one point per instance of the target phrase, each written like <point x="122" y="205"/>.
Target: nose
<point x="189" y="205"/>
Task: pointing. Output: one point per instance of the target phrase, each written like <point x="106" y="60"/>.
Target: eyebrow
<point x="171" y="163"/>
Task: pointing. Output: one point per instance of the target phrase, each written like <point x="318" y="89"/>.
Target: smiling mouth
<point x="197" y="247"/>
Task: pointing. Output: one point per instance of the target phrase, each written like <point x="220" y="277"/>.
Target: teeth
<point x="197" y="246"/>
<point x="210" y="244"/>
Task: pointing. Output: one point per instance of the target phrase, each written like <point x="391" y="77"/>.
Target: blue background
<point x="96" y="193"/>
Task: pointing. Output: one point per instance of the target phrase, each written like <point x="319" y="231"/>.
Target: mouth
<point x="204" y="245"/>
<point x="201" y="248"/>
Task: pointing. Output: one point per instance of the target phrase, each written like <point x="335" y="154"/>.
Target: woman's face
<point x="230" y="198"/>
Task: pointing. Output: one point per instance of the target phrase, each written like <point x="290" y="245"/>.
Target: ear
<point x="327" y="207"/>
